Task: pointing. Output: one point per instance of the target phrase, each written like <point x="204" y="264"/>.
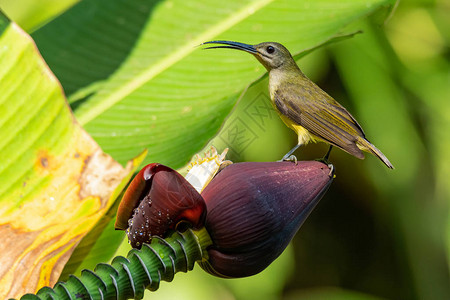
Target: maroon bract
<point x="157" y="199"/>
<point x="255" y="209"/>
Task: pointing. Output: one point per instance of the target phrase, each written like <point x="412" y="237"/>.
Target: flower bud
<point x="255" y="209"/>
<point x="157" y="199"/>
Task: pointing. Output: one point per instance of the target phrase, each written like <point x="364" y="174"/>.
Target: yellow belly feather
<point x="304" y="136"/>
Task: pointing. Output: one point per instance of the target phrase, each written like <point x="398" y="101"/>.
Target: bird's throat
<point x="278" y="77"/>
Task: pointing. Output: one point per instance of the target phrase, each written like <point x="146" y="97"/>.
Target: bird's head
<point x="270" y="54"/>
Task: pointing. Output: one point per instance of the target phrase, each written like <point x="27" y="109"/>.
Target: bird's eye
<point x="270" y="49"/>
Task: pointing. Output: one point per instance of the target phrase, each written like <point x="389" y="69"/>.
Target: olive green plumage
<point x="303" y="106"/>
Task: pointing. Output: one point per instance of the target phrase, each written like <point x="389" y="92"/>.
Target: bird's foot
<point x="331" y="167"/>
<point x="325" y="160"/>
<point x="291" y="158"/>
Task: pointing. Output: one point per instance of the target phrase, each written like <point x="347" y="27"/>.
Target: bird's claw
<point x="325" y="161"/>
<point x="291" y="158"/>
<point x="331" y="167"/>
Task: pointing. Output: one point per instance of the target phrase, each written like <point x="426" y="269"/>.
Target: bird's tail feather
<point x="365" y="145"/>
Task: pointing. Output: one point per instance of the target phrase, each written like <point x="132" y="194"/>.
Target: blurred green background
<point x="377" y="233"/>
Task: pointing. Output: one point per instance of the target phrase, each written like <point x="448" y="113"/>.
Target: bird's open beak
<point x="232" y="45"/>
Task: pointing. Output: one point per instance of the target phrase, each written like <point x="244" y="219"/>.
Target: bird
<point x="303" y="106"/>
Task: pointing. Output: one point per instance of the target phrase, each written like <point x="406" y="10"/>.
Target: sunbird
<point x="305" y="107"/>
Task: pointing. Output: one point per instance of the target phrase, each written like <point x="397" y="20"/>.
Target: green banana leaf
<point x="137" y="79"/>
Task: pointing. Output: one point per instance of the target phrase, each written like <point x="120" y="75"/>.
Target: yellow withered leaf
<point x="55" y="181"/>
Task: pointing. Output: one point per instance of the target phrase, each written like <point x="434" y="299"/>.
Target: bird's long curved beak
<point x="232" y="45"/>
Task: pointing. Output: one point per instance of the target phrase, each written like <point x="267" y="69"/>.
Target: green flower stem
<point x="143" y="269"/>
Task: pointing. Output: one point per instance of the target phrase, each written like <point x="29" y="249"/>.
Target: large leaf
<point x="55" y="181"/>
<point x="137" y="79"/>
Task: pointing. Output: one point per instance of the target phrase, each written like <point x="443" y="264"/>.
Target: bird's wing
<point x="313" y="109"/>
